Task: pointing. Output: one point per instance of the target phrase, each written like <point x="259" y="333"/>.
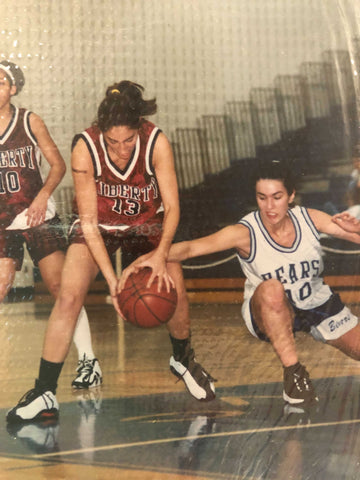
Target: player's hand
<point x="37" y="211"/>
<point x="115" y="301"/>
<point x="157" y="263"/>
<point x="347" y="222"/>
<point x="134" y="267"/>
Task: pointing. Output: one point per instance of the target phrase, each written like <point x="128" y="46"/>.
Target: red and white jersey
<point x="130" y="197"/>
<point x="20" y="174"/>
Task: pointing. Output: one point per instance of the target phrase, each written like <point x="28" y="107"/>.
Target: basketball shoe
<point x="34" y="405"/>
<point x="297" y="385"/>
<point x="88" y="373"/>
<point x="198" y="381"/>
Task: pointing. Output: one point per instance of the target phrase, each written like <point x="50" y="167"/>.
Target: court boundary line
<point x="195" y="437"/>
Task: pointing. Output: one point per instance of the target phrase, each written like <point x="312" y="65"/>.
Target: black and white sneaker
<point x="198" y="381"/>
<point x="34" y="405"/>
<point x="297" y="386"/>
<point x="88" y="374"/>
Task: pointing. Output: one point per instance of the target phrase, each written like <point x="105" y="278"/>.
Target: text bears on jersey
<point x="293" y="272"/>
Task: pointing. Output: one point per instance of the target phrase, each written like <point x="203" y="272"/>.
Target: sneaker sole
<point x="43" y="416"/>
<point x="297" y="401"/>
<point x="81" y="386"/>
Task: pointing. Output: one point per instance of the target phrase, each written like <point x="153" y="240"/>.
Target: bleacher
<point x="309" y="118"/>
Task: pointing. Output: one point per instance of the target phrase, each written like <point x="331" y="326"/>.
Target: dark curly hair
<point x="124" y="105"/>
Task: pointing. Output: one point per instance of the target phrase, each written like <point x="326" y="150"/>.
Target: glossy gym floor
<point x="142" y="424"/>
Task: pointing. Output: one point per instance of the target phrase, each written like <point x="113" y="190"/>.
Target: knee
<point x="5" y="287"/>
<point x="54" y="288"/>
<point x="68" y="301"/>
<point x="272" y="294"/>
<point x="4" y="290"/>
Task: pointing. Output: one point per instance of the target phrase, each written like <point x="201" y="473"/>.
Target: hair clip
<point x="115" y="90"/>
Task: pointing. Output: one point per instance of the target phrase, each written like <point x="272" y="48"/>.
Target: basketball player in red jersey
<point x="27" y="210"/>
<point x="126" y="196"/>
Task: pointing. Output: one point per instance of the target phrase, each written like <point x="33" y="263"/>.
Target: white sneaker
<point x="34" y="405"/>
<point x="198" y="381"/>
<point x="88" y="373"/>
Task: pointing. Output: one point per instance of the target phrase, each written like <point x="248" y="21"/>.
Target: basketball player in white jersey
<point x="279" y="251"/>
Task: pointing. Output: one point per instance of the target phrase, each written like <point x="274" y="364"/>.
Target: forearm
<point x="98" y="250"/>
<point x="170" y="224"/>
<point x="53" y="179"/>
<point x="179" y="252"/>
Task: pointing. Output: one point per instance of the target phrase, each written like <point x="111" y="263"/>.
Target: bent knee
<point x="272" y="293"/>
<point x="54" y="288"/>
<point x="69" y="301"/>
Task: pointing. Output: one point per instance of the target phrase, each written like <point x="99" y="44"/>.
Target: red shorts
<point x="41" y="241"/>
<point x="133" y="242"/>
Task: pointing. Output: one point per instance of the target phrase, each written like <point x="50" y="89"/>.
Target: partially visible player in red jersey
<point x="126" y="196"/>
<point x="27" y="210"/>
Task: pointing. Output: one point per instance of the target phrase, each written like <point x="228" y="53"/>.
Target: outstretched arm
<point x="342" y="226"/>
<point x="347" y="222"/>
<point x="234" y="236"/>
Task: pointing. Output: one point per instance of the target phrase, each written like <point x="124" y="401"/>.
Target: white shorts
<point x="329" y="321"/>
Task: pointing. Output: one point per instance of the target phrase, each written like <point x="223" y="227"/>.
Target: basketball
<point x="146" y="307"/>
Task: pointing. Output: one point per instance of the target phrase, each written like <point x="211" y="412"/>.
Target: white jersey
<point x="297" y="267"/>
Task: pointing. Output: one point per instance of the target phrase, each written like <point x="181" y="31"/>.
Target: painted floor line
<point x="196" y="437"/>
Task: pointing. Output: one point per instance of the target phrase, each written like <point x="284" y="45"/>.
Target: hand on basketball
<point x="347" y="222"/>
<point x="134" y="267"/>
<point x="157" y="263"/>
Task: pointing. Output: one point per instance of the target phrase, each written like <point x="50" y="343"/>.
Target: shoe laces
<point x="85" y="362"/>
<point x="85" y="365"/>
<point x="302" y="379"/>
<point x="193" y="365"/>
<point x="29" y="396"/>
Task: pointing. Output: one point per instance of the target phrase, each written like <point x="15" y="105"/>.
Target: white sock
<point x="82" y="336"/>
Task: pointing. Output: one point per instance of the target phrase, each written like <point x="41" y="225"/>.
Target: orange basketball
<point x="146" y="307"/>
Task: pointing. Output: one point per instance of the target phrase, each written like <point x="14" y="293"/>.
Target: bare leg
<point x="179" y="324"/>
<point x="274" y="317"/>
<point x="75" y="283"/>
<point x="51" y="270"/>
<point x="349" y="343"/>
<point x="7" y="275"/>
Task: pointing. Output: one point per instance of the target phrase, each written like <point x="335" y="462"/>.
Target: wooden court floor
<point x="142" y="424"/>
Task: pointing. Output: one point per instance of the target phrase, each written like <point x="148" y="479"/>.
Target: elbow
<point x="173" y="211"/>
<point x="61" y="170"/>
<point x="88" y="225"/>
